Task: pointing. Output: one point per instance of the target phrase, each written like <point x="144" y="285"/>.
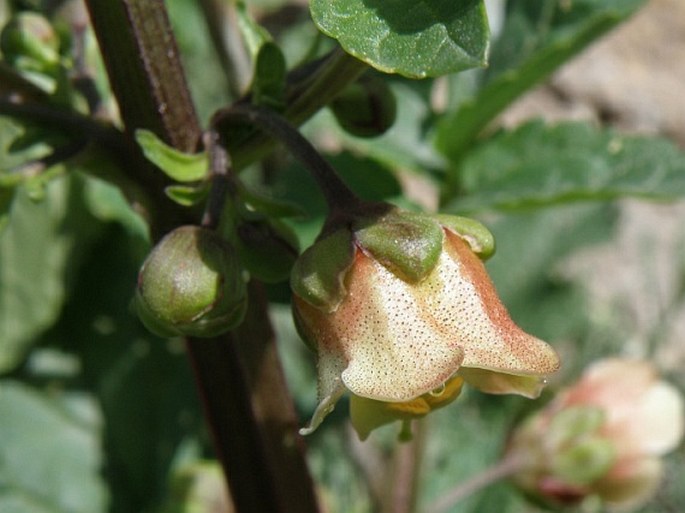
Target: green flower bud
<point x="29" y="42"/>
<point x="366" y="108"/>
<point x="191" y="284"/>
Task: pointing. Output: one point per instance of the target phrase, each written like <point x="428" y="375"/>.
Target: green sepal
<point x="268" y="83"/>
<point x="475" y="233"/>
<point x="584" y="462"/>
<point x="179" y="166"/>
<point x="267" y="247"/>
<point x="408" y="244"/>
<point x="318" y="276"/>
<point x="187" y="195"/>
<point x="574" y="423"/>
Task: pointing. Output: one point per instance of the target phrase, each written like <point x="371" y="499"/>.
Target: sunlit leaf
<point x="50" y="452"/>
<point x="416" y="38"/>
<point x="538" y="164"/>
<point x="182" y="167"/>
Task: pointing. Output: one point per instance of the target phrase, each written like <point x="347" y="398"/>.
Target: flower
<point x="603" y="437"/>
<point x="399" y="305"/>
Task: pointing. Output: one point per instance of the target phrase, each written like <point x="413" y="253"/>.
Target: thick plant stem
<point x="151" y="89"/>
<point x="252" y="416"/>
<point x="238" y="375"/>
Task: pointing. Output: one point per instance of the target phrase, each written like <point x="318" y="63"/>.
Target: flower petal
<point x="631" y="484"/>
<point x="369" y="414"/>
<point x="396" y="351"/>
<point x="390" y="350"/>
<point x="500" y="383"/>
<point x="470" y="308"/>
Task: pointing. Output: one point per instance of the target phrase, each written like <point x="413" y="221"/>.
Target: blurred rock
<point x="633" y="78"/>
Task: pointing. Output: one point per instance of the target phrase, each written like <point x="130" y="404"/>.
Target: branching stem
<point x="503" y="468"/>
<point x="338" y="195"/>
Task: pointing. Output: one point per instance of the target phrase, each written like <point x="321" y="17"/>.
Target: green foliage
<point x="57" y="472"/>
<point x="536" y="39"/>
<point x="540" y="165"/>
<point x="418" y="39"/>
<point x="179" y="166"/>
<point x="40" y="251"/>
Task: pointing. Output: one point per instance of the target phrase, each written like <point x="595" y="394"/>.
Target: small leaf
<point x="415" y="38"/>
<point x="186" y="195"/>
<point x="268" y="83"/>
<point x="179" y="166"/>
<point x="538" y="164"/>
<point x="268" y="205"/>
<point x="253" y="33"/>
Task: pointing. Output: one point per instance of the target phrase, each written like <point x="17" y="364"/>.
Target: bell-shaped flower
<point x="601" y="438"/>
<point x="397" y="307"/>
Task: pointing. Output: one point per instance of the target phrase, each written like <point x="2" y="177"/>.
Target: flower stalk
<point x="338" y="195"/>
<point x="502" y="469"/>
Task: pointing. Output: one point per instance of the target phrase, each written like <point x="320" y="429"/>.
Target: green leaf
<point x="538" y="164"/>
<point x="537" y="38"/>
<point x="143" y="384"/>
<point x="187" y="195"/>
<point x="268" y="83"/>
<point x="415" y="38"/>
<point x="50" y="453"/>
<point x="253" y="33"/>
<point x="179" y="166"/>
<point x="107" y="203"/>
<point x="40" y="248"/>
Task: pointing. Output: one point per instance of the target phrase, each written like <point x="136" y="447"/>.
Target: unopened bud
<point x="29" y="42"/>
<point x="191" y="284"/>
<point x="366" y="108"/>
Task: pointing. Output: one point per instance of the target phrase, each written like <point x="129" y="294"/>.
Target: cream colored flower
<point x="602" y="437"/>
<point x="393" y="337"/>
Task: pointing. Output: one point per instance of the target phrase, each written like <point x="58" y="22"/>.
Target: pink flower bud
<point x="602" y="437"/>
<point x="393" y="337"/>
